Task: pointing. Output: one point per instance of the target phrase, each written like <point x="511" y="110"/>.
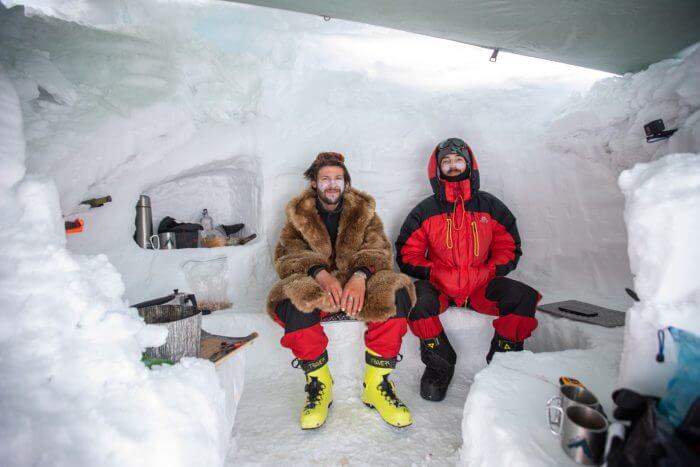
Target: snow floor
<point x="266" y="430"/>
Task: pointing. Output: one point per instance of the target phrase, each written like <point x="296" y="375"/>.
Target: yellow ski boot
<point x="379" y="393"/>
<point x="319" y="391"/>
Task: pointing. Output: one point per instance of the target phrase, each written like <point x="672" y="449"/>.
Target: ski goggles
<point x="455" y="145"/>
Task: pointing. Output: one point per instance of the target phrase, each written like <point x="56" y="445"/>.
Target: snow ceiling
<point x="617" y="36"/>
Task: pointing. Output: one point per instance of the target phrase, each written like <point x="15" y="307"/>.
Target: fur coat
<point x="361" y="242"/>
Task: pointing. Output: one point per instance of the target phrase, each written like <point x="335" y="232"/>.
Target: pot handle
<point x="554" y="406"/>
<point x="191" y="298"/>
<point x="556" y="423"/>
<point x="153" y="245"/>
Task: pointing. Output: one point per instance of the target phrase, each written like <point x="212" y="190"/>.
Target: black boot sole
<point x="393" y="426"/>
<point x="433" y="393"/>
<point x="322" y="424"/>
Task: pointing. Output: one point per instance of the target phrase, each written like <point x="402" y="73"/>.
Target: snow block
<point x="509" y="396"/>
<point x="662" y="202"/>
<point x="346" y="348"/>
<point x="231" y="374"/>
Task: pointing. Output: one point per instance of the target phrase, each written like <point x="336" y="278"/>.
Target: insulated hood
<point x="616" y="36"/>
<point x="449" y="191"/>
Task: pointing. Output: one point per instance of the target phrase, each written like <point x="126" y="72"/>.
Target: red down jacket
<point x="460" y="237"/>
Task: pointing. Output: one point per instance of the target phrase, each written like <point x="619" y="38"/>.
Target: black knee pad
<point x="427" y="303"/>
<point x="512" y="296"/>
<point x="294" y="319"/>
<point x="402" y="301"/>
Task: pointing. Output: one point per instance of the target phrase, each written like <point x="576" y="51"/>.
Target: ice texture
<point x="607" y="123"/>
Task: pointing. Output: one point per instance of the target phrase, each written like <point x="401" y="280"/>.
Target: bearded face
<point x="331" y="191"/>
<point x="453" y="165"/>
<point x="330" y="184"/>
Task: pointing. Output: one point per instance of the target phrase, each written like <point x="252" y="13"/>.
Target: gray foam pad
<point x="585" y="312"/>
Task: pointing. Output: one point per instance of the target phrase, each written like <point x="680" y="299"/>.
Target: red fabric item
<point x="512" y="322"/>
<point x="512" y="326"/>
<point x="515" y="328"/>
<point x="426" y="328"/>
<point x="460" y="239"/>
<point x="429" y="327"/>
<point x="306" y="344"/>
<point x="383" y="338"/>
<point x="478" y="244"/>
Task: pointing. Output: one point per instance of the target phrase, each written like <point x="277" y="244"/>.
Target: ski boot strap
<point x="311" y="365"/>
<point x="381" y="362"/>
<point x="431" y="343"/>
<point x="505" y="345"/>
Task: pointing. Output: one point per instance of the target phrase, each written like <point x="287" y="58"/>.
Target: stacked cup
<point x="575" y="416"/>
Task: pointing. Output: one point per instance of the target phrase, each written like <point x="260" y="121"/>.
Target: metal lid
<point x="144" y="202"/>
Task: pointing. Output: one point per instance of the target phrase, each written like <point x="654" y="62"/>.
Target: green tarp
<point x="617" y="36"/>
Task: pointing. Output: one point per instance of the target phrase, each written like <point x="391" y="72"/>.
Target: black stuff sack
<point x="651" y="439"/>
<point x="186" y="234"/>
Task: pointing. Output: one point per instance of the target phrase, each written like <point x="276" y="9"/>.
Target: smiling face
<point x="330" y="184"/>
<point x="453" y="165"/>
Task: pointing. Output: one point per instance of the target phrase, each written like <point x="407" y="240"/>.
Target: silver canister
<point x="144" y="222"/>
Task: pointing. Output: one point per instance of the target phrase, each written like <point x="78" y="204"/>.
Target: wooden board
<point x="216" y="349"/>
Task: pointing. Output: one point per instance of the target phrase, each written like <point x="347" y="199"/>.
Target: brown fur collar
<point x="358" y="210"/>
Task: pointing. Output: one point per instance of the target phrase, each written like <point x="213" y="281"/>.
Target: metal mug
<point x="583" y="432"/>
<point x="570" y="395"/>
<point x="163" y="241"/>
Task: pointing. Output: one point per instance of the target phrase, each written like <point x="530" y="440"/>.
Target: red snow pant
<point x="304" y="335"/>
<point x="513" y="302"/>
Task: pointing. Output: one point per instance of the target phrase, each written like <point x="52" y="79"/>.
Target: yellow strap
<point x="451" y="222"/>
<point x="448" y="238"/>
<point x="476" y="238"/>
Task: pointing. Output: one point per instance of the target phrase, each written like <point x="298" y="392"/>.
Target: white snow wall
<point x="662" y="210"/>
<point x="142" y="93"/>
<point x="74" y="390"/>
<point x="663" y="217"/>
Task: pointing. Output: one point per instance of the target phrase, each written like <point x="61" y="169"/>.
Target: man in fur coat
<point x="333" y="256"/>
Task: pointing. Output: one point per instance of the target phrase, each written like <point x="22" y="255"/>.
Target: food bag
<point x="208" y="280"/>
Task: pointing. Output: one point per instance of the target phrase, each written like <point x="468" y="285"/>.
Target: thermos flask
<point x="144" y="222"/>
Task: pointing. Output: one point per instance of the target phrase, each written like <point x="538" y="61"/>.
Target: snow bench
<point x="469" y="332"/>
<point x="503" y="420"/>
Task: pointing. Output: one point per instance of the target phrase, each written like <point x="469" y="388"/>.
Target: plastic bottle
<point x="210" y="236"/>
<point x="206" y="221"/>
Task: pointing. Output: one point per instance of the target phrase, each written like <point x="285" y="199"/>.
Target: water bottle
<point x="144" y="222"/>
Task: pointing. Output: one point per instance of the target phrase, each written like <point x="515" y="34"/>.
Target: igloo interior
<point x="218" y="105"/>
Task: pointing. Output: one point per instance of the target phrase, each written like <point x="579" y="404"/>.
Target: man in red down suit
<point x="460" y="243"/>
